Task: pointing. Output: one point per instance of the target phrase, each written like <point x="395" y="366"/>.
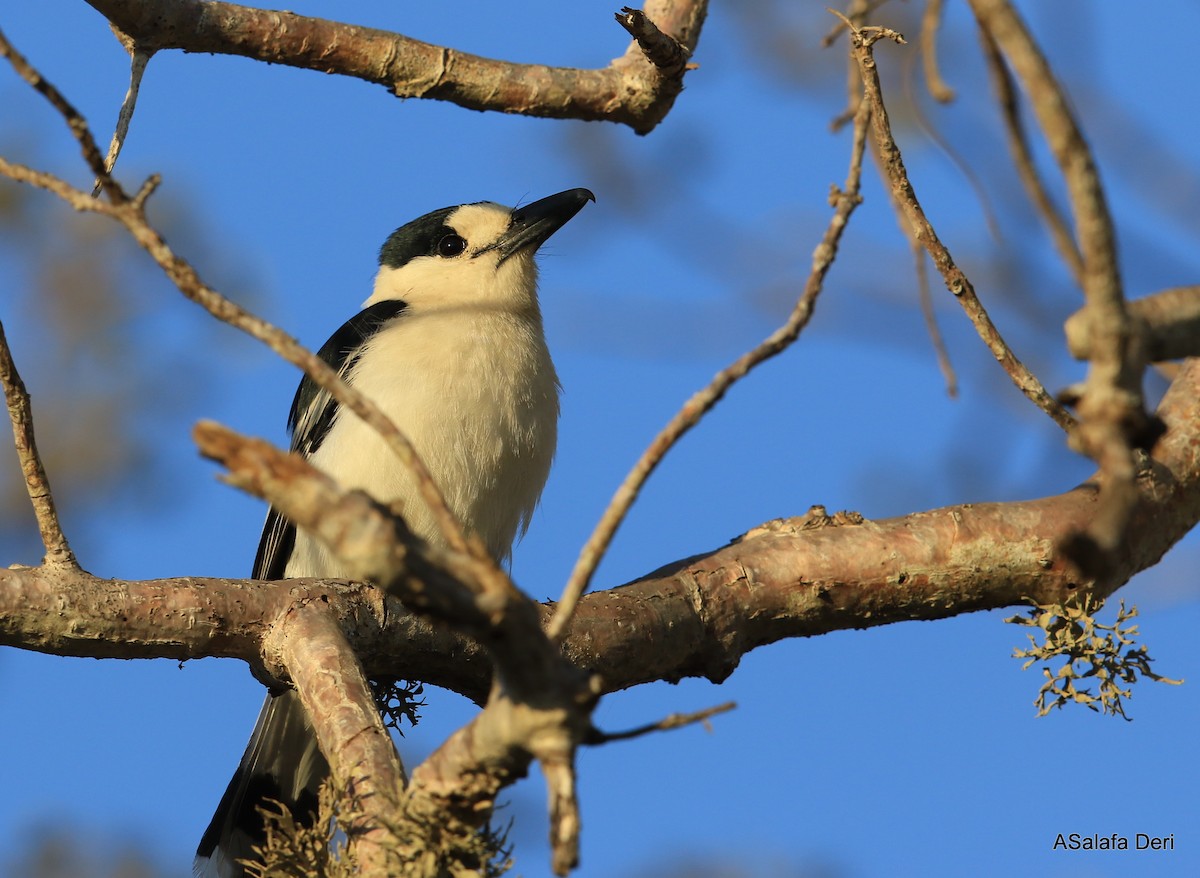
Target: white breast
<point x="476" y="393"/>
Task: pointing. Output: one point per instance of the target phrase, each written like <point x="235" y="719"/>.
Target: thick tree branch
<point x="632" y="90"/>
<point x="695" y="617"/>
<point x="309" y="645"/>
<point x="540" y="704"/>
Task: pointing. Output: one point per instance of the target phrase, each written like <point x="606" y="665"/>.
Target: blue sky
<point x="911" y="749"/>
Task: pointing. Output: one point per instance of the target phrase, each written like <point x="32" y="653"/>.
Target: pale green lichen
<point x="1093" y="654"/>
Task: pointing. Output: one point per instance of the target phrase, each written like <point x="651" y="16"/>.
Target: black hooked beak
<point x="534" y="223"/>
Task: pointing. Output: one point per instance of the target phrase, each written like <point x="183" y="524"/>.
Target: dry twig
<point x="138" y="59"/>
<point x="955" y="279"/>
<point x="75" y="121"/>
<point x="1022" y="155"/>
<point x="58" y="550"/>
<point x="667" y="723"/>
<point x="1112" y="416"/>
<point x="131" y="214"/>
<point x="843" y="201"/>
<point x="931" y="21"/>
<point x="925" y="296"/>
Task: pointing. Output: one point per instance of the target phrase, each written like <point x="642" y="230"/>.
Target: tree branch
<point x="540" y="704"/>
<point x="631" y="91"/>
<point x="1170" y="321"/>
<point x="695" y="617"/>
<point x="955" y="279"/>
<point x="37" y="485"/>
<point x="1113" y="421"/>
<point x="73" y="118"/>
<point x="309" y="645"/>
<point x="1022" y="156"/>
<point x="843" y="202"/>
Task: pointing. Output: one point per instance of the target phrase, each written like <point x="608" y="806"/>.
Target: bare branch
<point x="955" y="279"/>
<point x="308" y="643"/>
<point x="131" y="214"/>
<point x="695" y="617"/>
<point x="370" y="542"/>
<point x="540" y="705"/>
<point x="1018" y="147"/>
<point x="631" y="90"/>
<point x="58" y="550"/>
<point x="1170" y="320"/>
<point x="668" y="723"/>
<point x="76" y="122"/>
<point x="1112" y="417"/>
<point x="931" y="21"/>
<point x="138" y="59"/>
<point x="843" y="201"/>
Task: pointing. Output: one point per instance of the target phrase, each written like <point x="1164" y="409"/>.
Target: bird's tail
<point x="282" y="763"/>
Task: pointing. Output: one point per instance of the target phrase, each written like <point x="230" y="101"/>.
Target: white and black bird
<point x="450" y="346"/>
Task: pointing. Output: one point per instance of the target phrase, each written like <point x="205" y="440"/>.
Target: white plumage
<point x="450" y="346"/>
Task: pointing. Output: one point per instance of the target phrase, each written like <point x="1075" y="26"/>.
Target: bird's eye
<point x="450" y="246"/>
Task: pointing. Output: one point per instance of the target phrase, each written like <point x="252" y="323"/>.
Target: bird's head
<point x="472" y="255"/>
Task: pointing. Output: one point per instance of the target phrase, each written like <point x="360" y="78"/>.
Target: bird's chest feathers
<point x="477" y="397"/>
<point x="445" y="370"/>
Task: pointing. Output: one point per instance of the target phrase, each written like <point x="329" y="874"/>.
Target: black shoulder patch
<point x="417" y="238"/>
<point x="309" y="420"/>
<point x="313" y="410"/>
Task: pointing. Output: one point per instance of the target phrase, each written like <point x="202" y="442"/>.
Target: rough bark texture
<point x="631" y="90"/>
<point x="695" y="617"/>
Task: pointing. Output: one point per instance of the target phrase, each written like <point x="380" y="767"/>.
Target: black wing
<point x="309" y="420"/>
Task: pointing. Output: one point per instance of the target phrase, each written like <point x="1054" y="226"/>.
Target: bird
<point x="450" y="346"/>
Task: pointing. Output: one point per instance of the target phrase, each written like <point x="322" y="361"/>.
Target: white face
<point x="457" y="263"/>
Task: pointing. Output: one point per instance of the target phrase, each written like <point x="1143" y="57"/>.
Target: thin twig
<point x="955" y="279"/>
<point x="856" y="10"/>
<point x="931" y="131"/>
<point x="131" y="215"/>
<point x="925" y="296"/>
<point x="843" y="201"/>
<point x="138" y="59"/>
<point x="1022" y="155"/>
<point x="856" y="13"/>
<point x="931" y="22"/>
<point x="667" y="723"/>
<point x="58" y="550"/>
<point x="75" y="121"/>
<point x="1112" y="416"/>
